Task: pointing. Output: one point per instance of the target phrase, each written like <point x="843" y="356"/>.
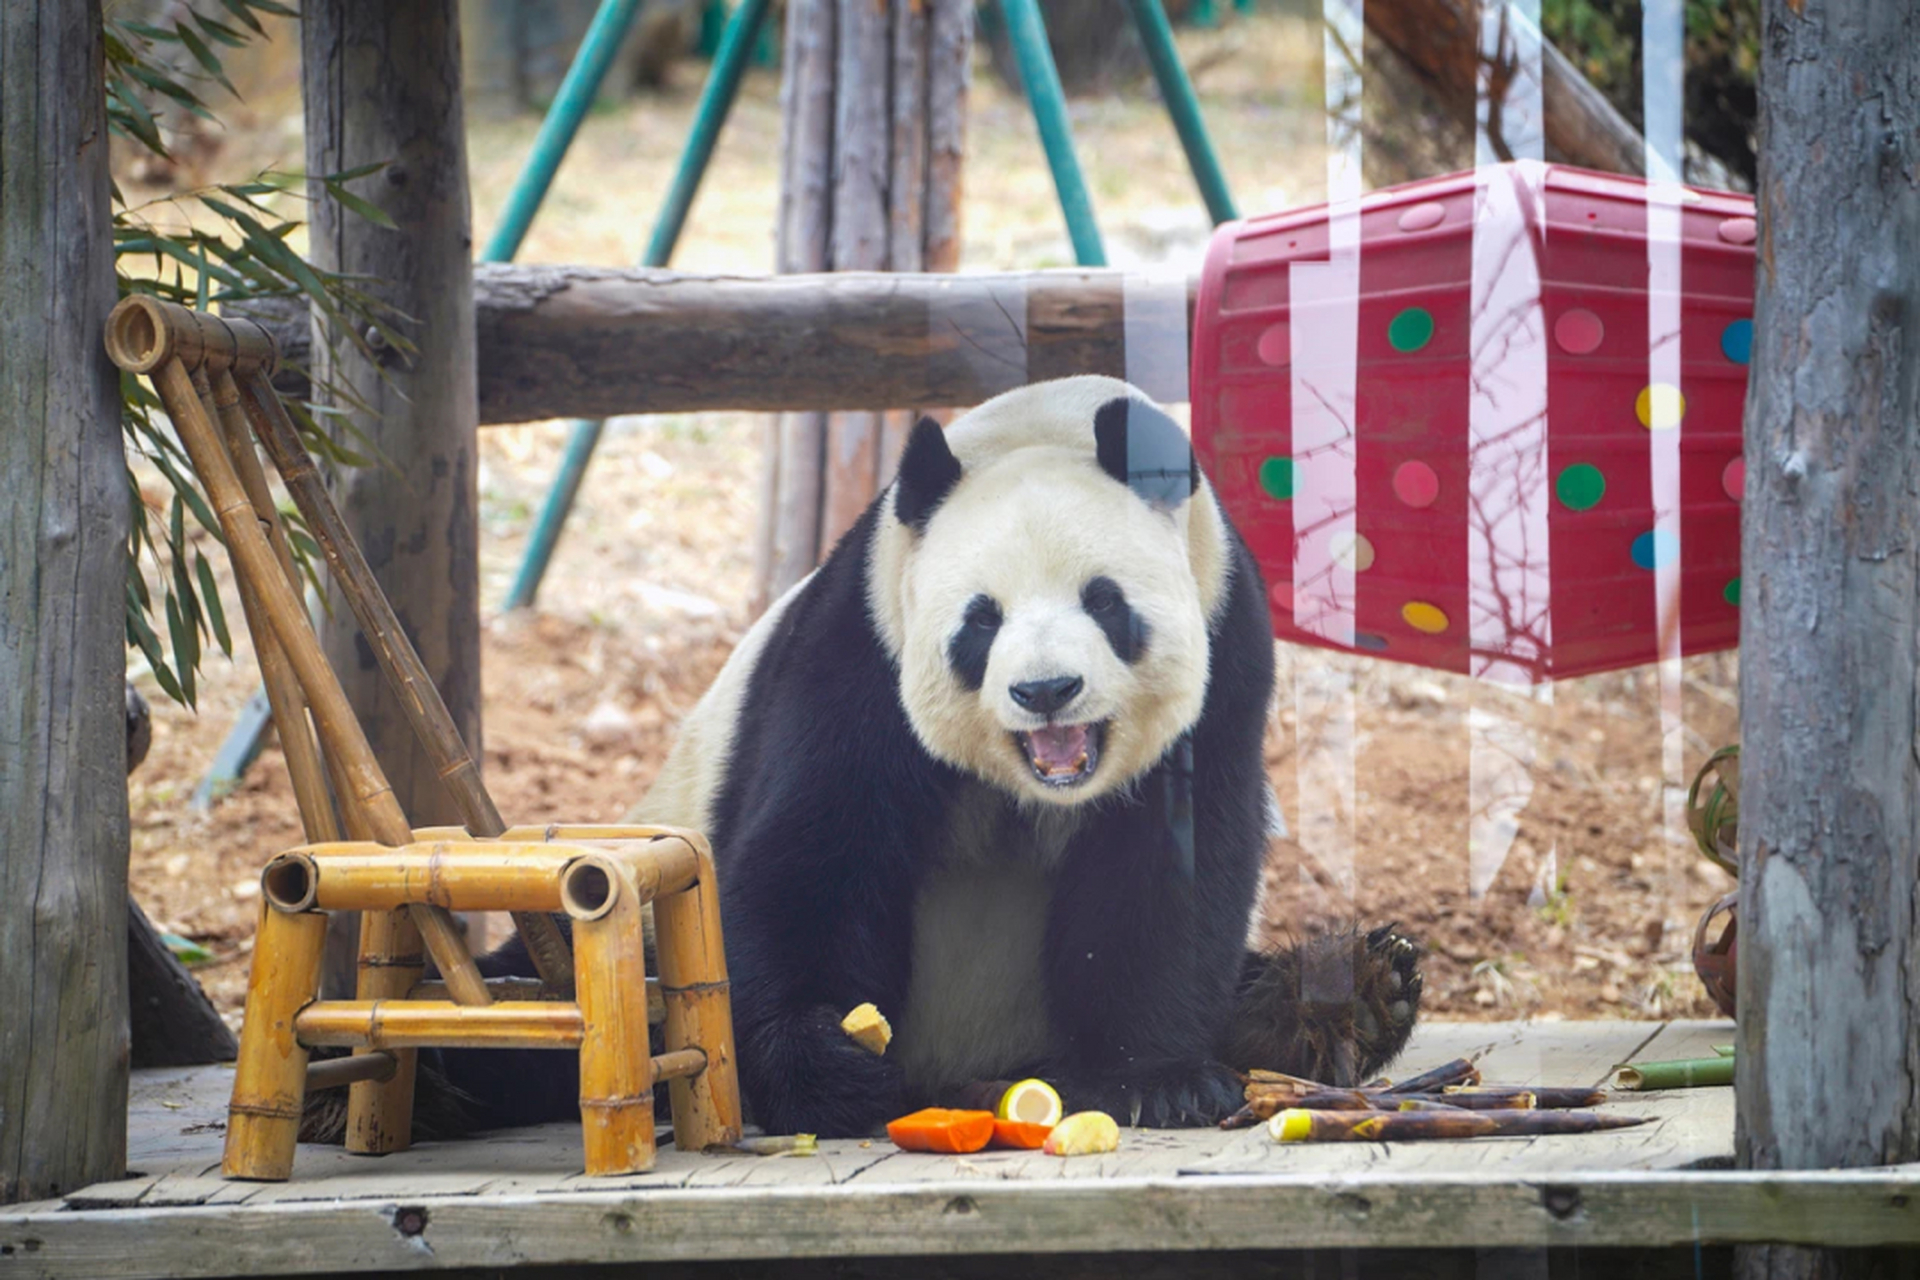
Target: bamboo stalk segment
<point x="380" y="1112"/>
<point x="144" y="333"/>
<point x="336" y="1073"/>
<point x="220" y="398"/>
<point x="414" y="689"/>
<point x="678" y="1065"/>
<point x="270" y="1075"/>
<point x="699" y="1007"/>
<point x="468" y="876"/>
<point x="610" y="975"/>
<point x="407" y="1024"/>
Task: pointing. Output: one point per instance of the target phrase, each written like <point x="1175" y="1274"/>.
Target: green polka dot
<point x="1276" y="477"/>
<point x="1581" y="486"/>
<point x="1732" y="593"/>
<point x="1411" y="330"/>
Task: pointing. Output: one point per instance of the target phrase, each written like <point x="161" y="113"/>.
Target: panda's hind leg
<point x="1335" y="1008"/>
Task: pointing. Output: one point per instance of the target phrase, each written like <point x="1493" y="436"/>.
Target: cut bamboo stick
<point x="336" y="1073"/>
<point x="678" y="1065"/>
<point x="699" y="1007"/>
<point x="1545" y="1097"/>
<point x="407" y="1024"/>
<point x="1459" y="1071"/>
<point x="412" y="686"/>
<point x="270" y="1075"/>
<point x="144" y="333"/>
<point x="475" y="876"/>
<point x="1682" y="1073"/>
<point x="1416" y="1126"/>
<point x="610" y="976"/>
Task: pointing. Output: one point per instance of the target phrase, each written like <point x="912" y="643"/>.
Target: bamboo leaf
<point x="268" y="6"/>
<point x="220" y="32"/>
<point x="183" y="646"/>
<point x="210" y="596"/>
<point x="142" y="636"/>
<point x="365" y="208"/>
<point x="204" y="55"/>
<point x="239" y="10"/>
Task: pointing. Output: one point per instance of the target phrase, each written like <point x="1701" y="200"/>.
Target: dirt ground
<point x="1393" y="780"/>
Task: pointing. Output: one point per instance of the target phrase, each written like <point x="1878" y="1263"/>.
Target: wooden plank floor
<point x="520" y="1198"/>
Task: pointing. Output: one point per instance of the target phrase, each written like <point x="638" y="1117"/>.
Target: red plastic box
<point x="1451" y="444"/>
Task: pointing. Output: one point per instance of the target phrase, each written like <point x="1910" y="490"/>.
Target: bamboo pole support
<point x="490" y="875"/>
<point x="699" y="1007"/>
<point x="221" y="399"/>
<point x="270" y="1075"/>
<point x="413" y="688"/>
<point x="616" y="1072"/>
<point x="409" y="1024"/>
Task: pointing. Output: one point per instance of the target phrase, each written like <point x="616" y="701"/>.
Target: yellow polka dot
<point x="1352" y="551"/>
<point x="1660" y="407"/>
<point x="1422" y="616"/>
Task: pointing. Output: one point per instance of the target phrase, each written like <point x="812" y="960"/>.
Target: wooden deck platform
<point x="519" y="1199"/>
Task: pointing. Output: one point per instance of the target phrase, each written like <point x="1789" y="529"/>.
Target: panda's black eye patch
<point x="970" y="646"/>
<point x="1106" y="604"/>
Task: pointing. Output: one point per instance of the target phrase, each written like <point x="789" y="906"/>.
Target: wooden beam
<point x="1828" y="1073"/>
<point x="63" y="568"/>
<point x="172" y="1021"/>
<point x="1439" y="41"/>
<point x="588" y="342"/>
<point x="382" y="85"/>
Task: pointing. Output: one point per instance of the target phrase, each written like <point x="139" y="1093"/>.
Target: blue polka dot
<point x="1367" y="640"/>
<point x="1736" y="340"/>
<point x="1655" y="549"/>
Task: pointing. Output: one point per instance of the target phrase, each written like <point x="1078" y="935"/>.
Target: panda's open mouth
<point x="1063" y="755"/>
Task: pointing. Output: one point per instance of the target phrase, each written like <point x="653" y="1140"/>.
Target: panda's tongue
<point x="1058" y="748"/>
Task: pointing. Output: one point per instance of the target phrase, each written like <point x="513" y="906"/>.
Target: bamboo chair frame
<point x="212" y="375"/>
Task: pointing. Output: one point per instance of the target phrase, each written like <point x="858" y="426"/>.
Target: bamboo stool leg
<point x="610" y="984"/>
<point x="270" y="1077"/>
<point x="380" y="1112"/>
<point x="699" y="1008"/>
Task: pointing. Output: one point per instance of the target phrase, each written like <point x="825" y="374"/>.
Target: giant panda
<point x="996" y="767"/>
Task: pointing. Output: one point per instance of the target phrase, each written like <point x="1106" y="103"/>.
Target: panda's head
<point x="1043" y="577"/>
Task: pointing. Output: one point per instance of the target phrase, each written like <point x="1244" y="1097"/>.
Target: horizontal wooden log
<point x="562" y="342"/>
<point x="557" y="342"/>
<point x="409" y="1024"/>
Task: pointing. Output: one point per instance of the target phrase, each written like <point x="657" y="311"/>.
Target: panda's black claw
<point x="1176" y="1096"/>
<point x="1371" y="984"/>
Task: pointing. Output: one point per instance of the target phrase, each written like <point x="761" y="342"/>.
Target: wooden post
<point x="63" y="530"/>
<point x="874" y="98"/>
<point x="382" y="83"/>
<point x="1828" y="1068"/>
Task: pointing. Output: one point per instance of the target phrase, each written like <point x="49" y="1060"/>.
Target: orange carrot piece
<point x="1022" y="1134"/>
<point x="942" y="1130"/>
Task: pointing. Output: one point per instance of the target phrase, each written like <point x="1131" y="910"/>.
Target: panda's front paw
<point x="803" y="1075"/>
<point x="1178" y="1095"/>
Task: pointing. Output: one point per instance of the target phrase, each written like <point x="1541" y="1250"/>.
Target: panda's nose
<point x="1044" y="697"/>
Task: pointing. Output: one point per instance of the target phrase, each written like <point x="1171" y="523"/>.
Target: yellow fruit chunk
<point x="1030" y="1102"/>
<point x="1084" y="1133"/>
<point x="868" y="1029"/>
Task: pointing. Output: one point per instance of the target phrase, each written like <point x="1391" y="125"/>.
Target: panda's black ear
<point x="1144" y="449"/>
<point x="928" y="472"/>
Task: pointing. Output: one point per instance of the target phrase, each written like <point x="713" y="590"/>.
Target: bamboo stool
<point x="210" y="370"/>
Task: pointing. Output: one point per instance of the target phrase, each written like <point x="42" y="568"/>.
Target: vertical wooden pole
<point x="874" y="98"/>
<point x="382" y="84"/>
<point x="63" y="530"/>
<point x="1828" y="1070"/>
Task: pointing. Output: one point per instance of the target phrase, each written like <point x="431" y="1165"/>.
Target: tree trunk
<point x="1439" y="41"/>
<point x="1829" y="1042"/>
<point x="382" y="84"/>
<point x="873" y="94"/>
<point x="173" y="1022"/>
<point x="63" y="569"/>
